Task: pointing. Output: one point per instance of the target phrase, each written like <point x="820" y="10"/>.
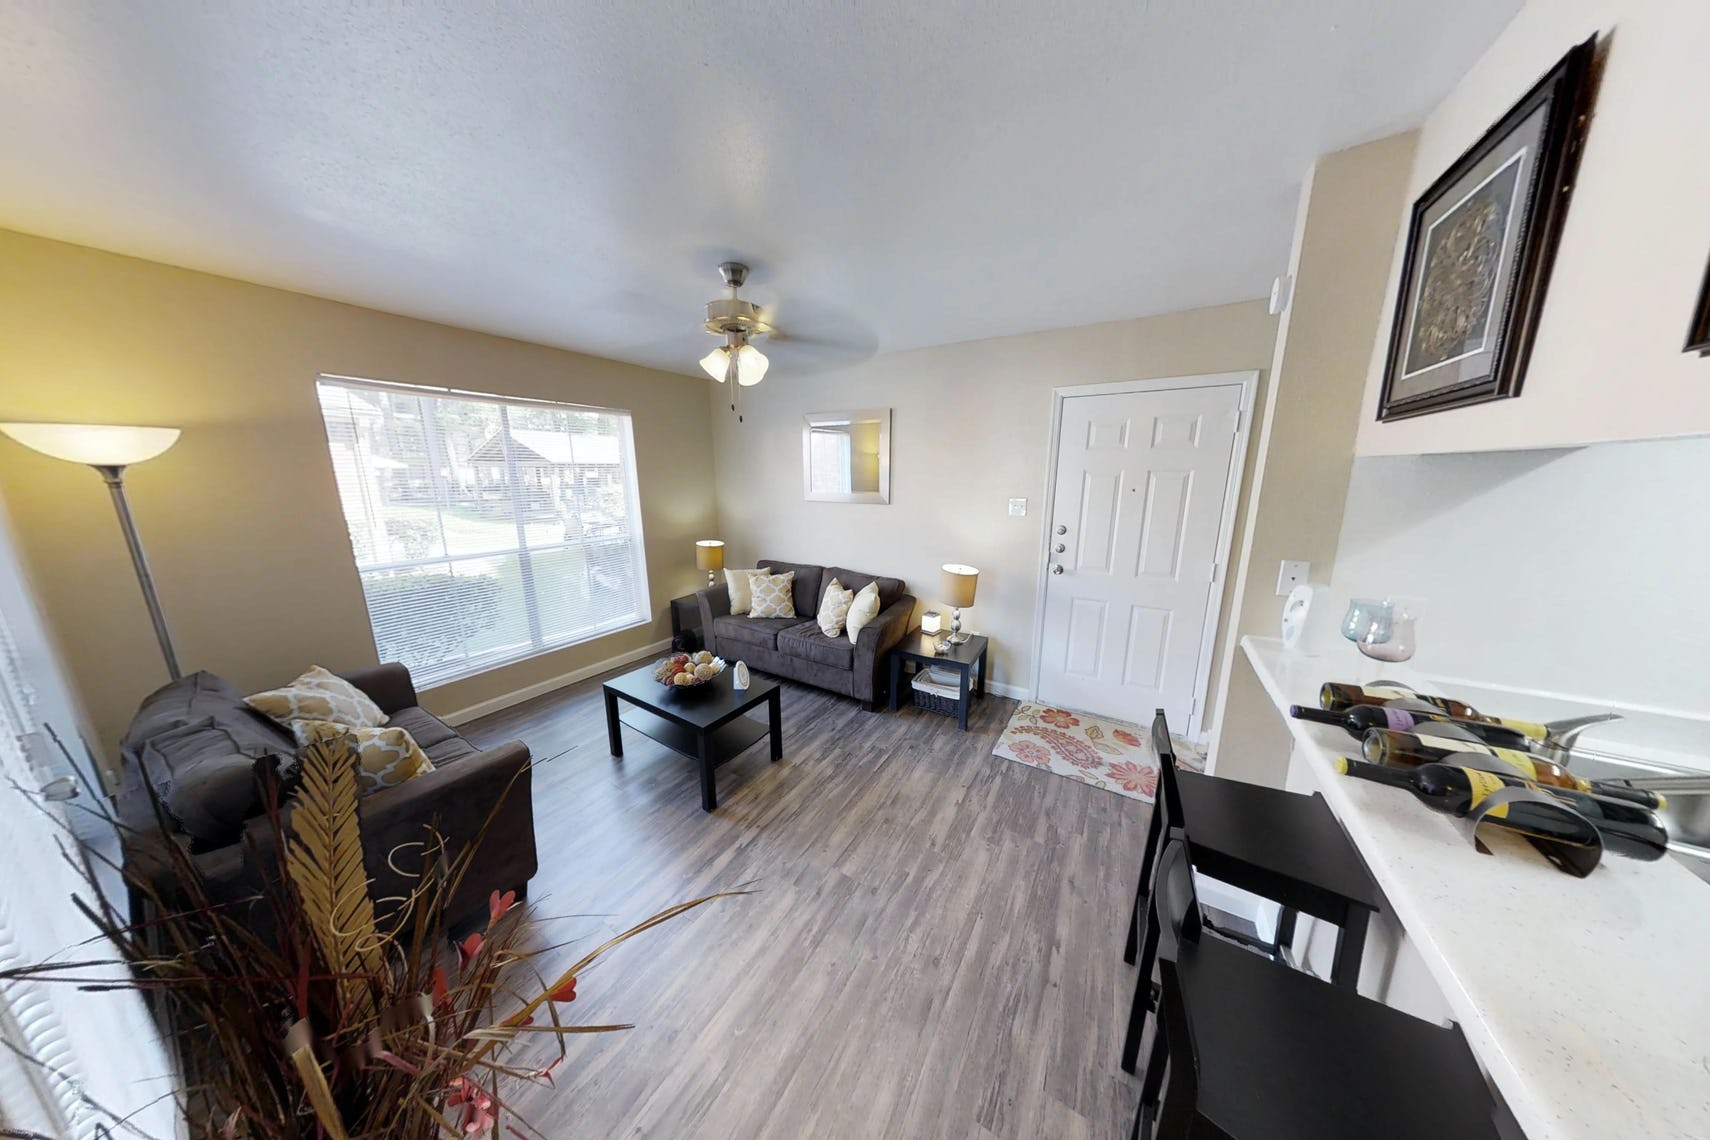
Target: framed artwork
<point x="1698" y="340"/>
<point x="1479" y="249"/>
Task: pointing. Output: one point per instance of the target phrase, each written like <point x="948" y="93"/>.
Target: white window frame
<point x="538" y="645"/>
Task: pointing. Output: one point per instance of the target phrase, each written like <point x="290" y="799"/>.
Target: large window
<point x="485" y="529"/>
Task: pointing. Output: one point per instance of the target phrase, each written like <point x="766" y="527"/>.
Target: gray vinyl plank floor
<point x="933" y="948"/>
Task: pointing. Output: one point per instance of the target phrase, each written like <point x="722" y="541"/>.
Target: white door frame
<point x="1248" y="382"/>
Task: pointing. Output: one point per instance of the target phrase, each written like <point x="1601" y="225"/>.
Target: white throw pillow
<point x="863" y="609"/>
<point x="737" y="582"/>
<point x="772" y="595"/>
<point x="834" y="608"/>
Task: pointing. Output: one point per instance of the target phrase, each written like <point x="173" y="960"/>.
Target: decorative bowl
<point x="687" y="671"/>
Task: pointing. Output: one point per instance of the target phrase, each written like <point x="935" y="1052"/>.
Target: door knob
<point x="1061" y="529"/>
<point x="1059" y="548"/>
<point x="1057" y="568"/>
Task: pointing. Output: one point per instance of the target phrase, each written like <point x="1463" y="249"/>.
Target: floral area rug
<point x="1110" y="754"/>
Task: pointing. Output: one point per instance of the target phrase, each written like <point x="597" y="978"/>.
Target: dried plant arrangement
<point x="338" y="1016"/>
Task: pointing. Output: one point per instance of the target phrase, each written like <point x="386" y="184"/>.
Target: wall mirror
<point x="846" y="456"/>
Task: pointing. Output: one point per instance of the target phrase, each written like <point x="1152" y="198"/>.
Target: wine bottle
<point x="1336" y="696"/>
<point x="1423" y="746"/>
<point x="1358" y="718"/>
<point x="1457" y="791"/>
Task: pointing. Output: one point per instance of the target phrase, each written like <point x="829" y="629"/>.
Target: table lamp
<point x="956" y="586"/>
<point x="110" y="448"/>
<point x="709" y="556"/>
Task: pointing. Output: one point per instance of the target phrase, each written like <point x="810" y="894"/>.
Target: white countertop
<point x="1586" y="1000"/>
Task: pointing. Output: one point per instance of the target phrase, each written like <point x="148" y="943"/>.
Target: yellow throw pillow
<point x="834" y="608"/>
<point x="385" y="757"/>
<point x="863" y="609"/>
<point x="319" y="695"/>
<point x="773" y="595"/>
<point x="736" y="581"/>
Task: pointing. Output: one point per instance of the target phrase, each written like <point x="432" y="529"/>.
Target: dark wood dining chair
<point x="1278" y="845"/>
<point x="1247" y="1049"/>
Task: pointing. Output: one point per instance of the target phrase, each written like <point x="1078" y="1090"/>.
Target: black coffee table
<point x="705" y="722"/>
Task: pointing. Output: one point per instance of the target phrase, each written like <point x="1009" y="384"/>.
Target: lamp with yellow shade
<point x="956" y="587"/>
<point x="709" y="556"/>
<point x="110" y="448"/>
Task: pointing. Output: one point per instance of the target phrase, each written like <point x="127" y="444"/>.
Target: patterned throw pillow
<point x="772" y="595"/>
<point x="385" y="757"/>
<point x="736" y="581"/>
<point x="834" y="608"/>
<point x="863" y="609"/>
<point x="319" y="695"/>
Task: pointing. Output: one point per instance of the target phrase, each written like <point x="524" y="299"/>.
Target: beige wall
<point x="1607" y="363"/>
<point x="241" y="518"/>
<point x="970" y="430"/>
<point x="1345" y="229"/>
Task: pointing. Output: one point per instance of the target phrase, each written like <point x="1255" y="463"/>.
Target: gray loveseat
<point x="795" y="649"/>
<point x="200" y="744"/>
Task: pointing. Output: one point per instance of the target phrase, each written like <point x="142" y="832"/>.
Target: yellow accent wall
<point x="241" y="519"/>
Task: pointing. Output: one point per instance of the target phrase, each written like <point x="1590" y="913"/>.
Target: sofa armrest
<point x="714" y="602"/>
<point x="875" y="641"/>
<point x="388" y="686"/>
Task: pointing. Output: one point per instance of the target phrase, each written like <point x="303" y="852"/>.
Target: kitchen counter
<point x="1587" y="1001"/>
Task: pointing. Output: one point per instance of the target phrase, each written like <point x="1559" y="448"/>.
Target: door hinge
<point x="1215" y="568"/>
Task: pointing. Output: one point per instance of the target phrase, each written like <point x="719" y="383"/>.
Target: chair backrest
<point x="1169" y="802"/>
<point x="1176" y="900"/>
<point x="1177" y="914"/>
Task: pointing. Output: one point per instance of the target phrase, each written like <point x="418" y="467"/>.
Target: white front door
<point x="1141" y="484"/>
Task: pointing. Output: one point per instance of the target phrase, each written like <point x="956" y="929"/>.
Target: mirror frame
<point x="882" y="416"/>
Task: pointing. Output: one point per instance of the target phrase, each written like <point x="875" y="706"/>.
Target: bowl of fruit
<point x="688" y="671"/>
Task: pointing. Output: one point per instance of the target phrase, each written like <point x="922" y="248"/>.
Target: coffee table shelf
<point x="723" y="743"/>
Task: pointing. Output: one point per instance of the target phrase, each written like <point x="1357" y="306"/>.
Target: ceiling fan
<point x="736" y="362"/>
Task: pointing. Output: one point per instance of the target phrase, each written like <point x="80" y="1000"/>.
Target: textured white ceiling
<point x="899" y="173"/>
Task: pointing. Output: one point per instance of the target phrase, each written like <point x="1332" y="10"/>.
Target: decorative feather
<point x="324" y="860"/>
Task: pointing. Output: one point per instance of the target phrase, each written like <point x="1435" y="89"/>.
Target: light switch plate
<point x="1017" y="508"/>
<point x="1290" y="575"/>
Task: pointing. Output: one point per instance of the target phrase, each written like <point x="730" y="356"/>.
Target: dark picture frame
<point x="1480" y="245"/>
<point x="1698" y="339"/>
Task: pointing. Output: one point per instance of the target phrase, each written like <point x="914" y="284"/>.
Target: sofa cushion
<point x="809" y="581"/>
<point x="428" y="730"/>
<point x="734" y="632"/>
<point x="450" y="750"/>
<point x="890" y="589"/>
<point x="810" y="643"/>
<point x="319" y="695"/>
<point x="200" y="697"/>
<point x="385" y="756"/>
<point x="205" y="779"/>
<point x="772" y="595"/>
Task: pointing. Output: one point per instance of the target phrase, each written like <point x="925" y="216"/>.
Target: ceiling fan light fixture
<point x="751" y="365"/>
<point x="716" y="362"/>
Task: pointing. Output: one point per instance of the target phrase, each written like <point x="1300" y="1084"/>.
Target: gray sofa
<point x="795" y="649"/>
<point x="199" y="744"/>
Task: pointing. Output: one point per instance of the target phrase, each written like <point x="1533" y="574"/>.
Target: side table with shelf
<point x="924" y="650"/>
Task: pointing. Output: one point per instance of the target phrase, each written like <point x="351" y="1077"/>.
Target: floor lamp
<point x="110" y="448"/>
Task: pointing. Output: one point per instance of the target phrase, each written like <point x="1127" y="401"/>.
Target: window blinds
<point x="485" y="530"/>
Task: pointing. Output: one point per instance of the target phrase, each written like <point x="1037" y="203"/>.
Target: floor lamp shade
<point x="110" y="448"/>
<point x="709" y="556"/>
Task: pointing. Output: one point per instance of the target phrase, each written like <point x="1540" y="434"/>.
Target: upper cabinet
<point x="1625" y="289"/>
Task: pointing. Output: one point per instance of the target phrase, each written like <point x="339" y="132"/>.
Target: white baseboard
<point x="1014" y="692"/>
<point x="528" y="693"/>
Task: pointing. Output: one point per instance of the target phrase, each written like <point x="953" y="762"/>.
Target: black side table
<point x="919" y="647"/>
<point x="686" y="618"/>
